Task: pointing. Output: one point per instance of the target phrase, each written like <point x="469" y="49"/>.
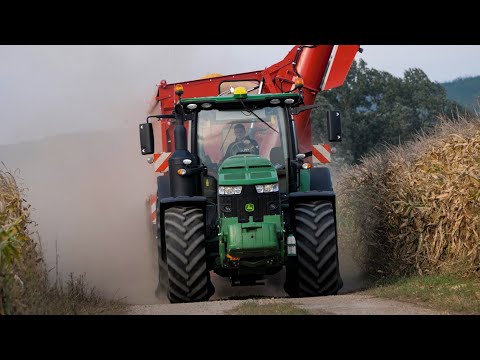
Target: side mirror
<point x="334" y="126"/>
<point x="147" y="144"/>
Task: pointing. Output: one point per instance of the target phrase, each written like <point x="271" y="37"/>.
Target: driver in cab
<point x="242" y="143"/>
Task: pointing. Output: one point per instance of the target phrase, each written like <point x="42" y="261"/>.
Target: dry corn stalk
<point x="423" y="202"/>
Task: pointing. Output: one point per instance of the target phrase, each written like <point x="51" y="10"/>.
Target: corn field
<point x="25" y="287"/>
<point x="415" y="208"/>
<point x="14" y="217"/>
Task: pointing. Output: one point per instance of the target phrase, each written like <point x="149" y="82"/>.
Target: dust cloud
<point x="89" y="194"/>
<point x="353" y="276"/>
<point x="70" y="116"/>
<point x="69" y="120"/>
<point x="349" y="253"/>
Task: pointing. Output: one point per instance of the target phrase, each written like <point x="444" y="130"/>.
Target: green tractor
<point x="240" y="200"/>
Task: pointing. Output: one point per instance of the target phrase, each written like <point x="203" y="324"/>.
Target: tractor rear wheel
<point x="163" y="191"/>
<point x="162" y="286"/>
<point x="317" y="270"/>
<point x="188" y="278"/>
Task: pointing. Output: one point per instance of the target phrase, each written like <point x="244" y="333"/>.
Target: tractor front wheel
<point x="316" y="272"/>
<point x="188" y="278"/>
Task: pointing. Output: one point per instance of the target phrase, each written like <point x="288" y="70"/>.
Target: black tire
<point x="188" y="278"/>
<point x="163" y="191"/>
<point x="317" y="270"/>
<point x="162" y="286"/>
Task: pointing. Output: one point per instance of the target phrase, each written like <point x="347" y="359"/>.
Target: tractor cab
<point x="228" y="131"/>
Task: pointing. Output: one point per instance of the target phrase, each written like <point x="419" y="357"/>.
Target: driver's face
<point x="239" y="133"/>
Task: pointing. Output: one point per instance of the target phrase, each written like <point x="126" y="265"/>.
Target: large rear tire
<point x="162" y="286"/>
<point x="163" y="191"/>
<point x="188" y="278"/>
<point x="317" y="270"/>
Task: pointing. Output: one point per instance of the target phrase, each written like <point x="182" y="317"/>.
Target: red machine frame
<point x="322" y="67"/>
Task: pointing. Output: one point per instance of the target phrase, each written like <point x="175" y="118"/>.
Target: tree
<point x="379" y="108"/>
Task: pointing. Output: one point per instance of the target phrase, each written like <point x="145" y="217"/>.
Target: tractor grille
<point x="264" y="204"/>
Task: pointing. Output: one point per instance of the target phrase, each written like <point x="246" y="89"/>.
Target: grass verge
<point x="257" y="308"/>
<point x="449" y="293"/>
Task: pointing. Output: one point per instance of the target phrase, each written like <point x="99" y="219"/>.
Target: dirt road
<point x="350" y="304"/>
<point x="226" y="298"/>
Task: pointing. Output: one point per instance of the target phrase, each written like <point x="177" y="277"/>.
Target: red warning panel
<point x="321" y="154"/>
<point x="153" y="208"/>
<point x="160" y="161"/>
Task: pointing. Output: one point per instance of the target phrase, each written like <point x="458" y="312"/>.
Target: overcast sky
<point x="48" y="90"/>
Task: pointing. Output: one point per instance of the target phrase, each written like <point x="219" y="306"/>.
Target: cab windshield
<point x="224" y="133"/>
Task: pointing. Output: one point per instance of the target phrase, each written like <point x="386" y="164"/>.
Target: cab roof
<point x="258" y="100"/>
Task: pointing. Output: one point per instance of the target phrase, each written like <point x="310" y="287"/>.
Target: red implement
<point x="322" y="67"/>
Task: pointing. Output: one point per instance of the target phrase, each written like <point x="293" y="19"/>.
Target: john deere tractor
<point x="244" y="205"/>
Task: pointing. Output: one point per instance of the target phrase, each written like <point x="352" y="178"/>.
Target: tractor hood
<point x="246" y="170"/>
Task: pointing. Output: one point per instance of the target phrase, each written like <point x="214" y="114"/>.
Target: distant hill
<point x="465" y="91"/>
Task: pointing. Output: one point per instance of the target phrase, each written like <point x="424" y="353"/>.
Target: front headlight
<point x="229" y="190"/>
<point x="267" y="188"/>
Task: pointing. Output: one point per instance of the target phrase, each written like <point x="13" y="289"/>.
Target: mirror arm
<point x="167" y="116"/>
<point x="298" y="110"/>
